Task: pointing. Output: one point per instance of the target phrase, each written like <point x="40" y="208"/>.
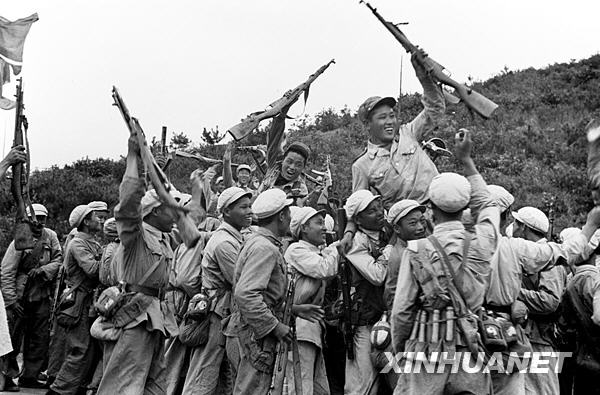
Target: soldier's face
<point x="382" y="125"/>
<point x="239" y="214"/>
<point x="165" y="218"/>
<point x="95" y="222"/>
<point x="371" y="218"/>
<point x="412" y="226"/>
<point x="41" y="219"/>
<point x="292" y="165"/>
<point x="313" y="231"/>
<point x="244" y="177"/>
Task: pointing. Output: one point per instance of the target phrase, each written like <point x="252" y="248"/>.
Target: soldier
<point x="581" y="312"/>
<point x="135" y="362"/>
<point x="368" y="257"/>
<point x="407" y="219"/>
<point x="514" y="257"/>
<point x="540" y="294"/>
<point x="426" y="286"/>
<point x="27" y="285"/>
<point x="107" y="274"/>
<point x="244" y="172"/>
<point x="313" y="265"/>
<point x="208" y="366"/>
<point x="82" y="259"/>
<point x="259" y="290"/>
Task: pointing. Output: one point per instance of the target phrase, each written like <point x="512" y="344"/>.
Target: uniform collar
<point x="448" y="226"/>
<point x="585" y="269"/>
<point x="309" y="246"/>
<point x="269" y="235"/>
<point x="231" y="230"/>
<point x="371" y="234"/>
<point x="376" y="150"/>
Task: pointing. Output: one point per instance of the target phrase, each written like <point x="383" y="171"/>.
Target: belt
<point x="155" y="292"/>
<point x="498" y="309"/>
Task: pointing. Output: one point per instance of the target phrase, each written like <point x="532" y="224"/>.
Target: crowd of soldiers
<point x="192" y="298"/>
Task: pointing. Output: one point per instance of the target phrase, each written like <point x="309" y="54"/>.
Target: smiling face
<point x="243" y="177"/>
<point x="313" y="231"/>
<point x="372" y="218"/>
<point x="239" y="213"/>
<point x="292" y="166"/>
<point x="382" y="125"/>
<point x="412" y="226"/>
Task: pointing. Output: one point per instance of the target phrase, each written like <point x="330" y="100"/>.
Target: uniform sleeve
<point x="404" y="306"/>
<point x="373" y="270"/>
<point x="547" y="298"/>
<point x="360" y="179"/>
<point x="128" y="213"/>
<point x="85" y="258"/>
<point x="434" y="108"/>
<point x="250" y="287"/>
<point x="311" y="263"/>
<point x="487" y="232"/>
<point x="8" y="280"/>
<point x="534" y="257"/>
<point x="56" y="257"/>
<point x="226" y="255"/>
<point x="391" y="279"/>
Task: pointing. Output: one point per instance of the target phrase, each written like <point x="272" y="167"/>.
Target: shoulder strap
<point x="458" y="298"/>
<point x="150" y="271"/>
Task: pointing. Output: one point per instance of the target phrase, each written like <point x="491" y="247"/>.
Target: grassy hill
<point x="534" y="146"/>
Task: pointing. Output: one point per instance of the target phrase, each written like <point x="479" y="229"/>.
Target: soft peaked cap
<point x="269" y="203"/>
<point x="300" y="216"/>
<point x="532" y="217"/>
<point x="230" y="196"/>
<point x="358" y="201"/>
<point x="450" y="192"/>
<point x="401" y="209"/>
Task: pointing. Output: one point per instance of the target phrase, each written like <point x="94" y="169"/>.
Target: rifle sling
<point x="458" y="299"/>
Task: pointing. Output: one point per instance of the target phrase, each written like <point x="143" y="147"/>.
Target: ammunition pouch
<point x="261" y="353"/>
<point x="109" y="301"/>
<point x="105" y="330"/>
<point x="193" y="332"/>
<point x="132" y="307"/>
<point x="72" y="307"/>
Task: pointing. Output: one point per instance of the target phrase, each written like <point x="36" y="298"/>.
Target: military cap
<point x="230" y="196"/>
<point x="300" y="216"/>
<point x="401" y="209"/>
<point x="450" y="192"/>
<point x="358" y="201"/>
<point x="532" y="217"/>
<point x="270" y="202"/>
<point x="364" y="111"/>
<point x="78" y="214"/>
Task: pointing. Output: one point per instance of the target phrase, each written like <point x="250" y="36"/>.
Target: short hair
<point x="299" y="148"/>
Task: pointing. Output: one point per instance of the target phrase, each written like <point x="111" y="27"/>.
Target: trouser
<point x="543" y="383"/>
<point x="508" y="384"/>
<point x="361" y="376"/>
<point x="58" y="347"/>
<point x="80" y="355"/>
<point x="31" y="331"/>
<point x="312" y="368"/>
<point x="208" y="367"/>
<point x="446" y="382"/>
<point x="135" y="363"/>
<point x="177" y="356"/>
<point x="234" y="355"/>
<point x="250" y="380"/>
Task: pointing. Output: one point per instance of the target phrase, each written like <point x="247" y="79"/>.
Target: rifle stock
<point x="345" y="277"/>
<point x="473" y="100"/>
<point x="155" y="172"/>
<point x="251" y="122"/>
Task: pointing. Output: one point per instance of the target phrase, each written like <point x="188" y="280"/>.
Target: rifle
<point x="473" y="100"/>
<point x="345" y="276"/>
<point x="251" y="122"/>
<point x="158" y="178"/>
<point x="281" y="358"/>
<point x="57" y="291"/>
<point x="26" y="225"/>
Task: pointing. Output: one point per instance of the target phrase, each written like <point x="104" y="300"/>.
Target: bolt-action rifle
<point x="345" y="276"/>
<point x="26" y="225"/>
<point x="473" y="100"/>
<point x="252" y="121"/>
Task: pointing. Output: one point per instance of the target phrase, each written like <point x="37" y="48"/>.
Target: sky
<point x="194" y="64"/>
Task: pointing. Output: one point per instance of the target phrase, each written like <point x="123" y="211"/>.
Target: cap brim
<point x="390" y="101"/>
<point x="516" y="216"/>
<point x="407" y="211"/>
<point x="288" y="202"/>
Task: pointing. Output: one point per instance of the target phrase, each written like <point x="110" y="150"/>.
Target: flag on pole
<point x="12" y="41"/>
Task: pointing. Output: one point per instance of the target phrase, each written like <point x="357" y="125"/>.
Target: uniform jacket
<point x="404" y="170"/>
<point x="13" y="281"/>
<point x="473" y="277"/>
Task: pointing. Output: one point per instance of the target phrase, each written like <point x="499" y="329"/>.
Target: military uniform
<point x="34" y="295"/>
<point x="208" y="366"/>
<point x="404" y="170"/>
<point x="423" y="287"/>
<point x="312" y="265"/>
<point x="135" y="362"/>
<point x="260" y="284"/>
<point x="82" y="259"/>
<point x="541" y="293"/>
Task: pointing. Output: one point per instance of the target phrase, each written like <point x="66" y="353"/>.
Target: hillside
<point x="534" y="146"/>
